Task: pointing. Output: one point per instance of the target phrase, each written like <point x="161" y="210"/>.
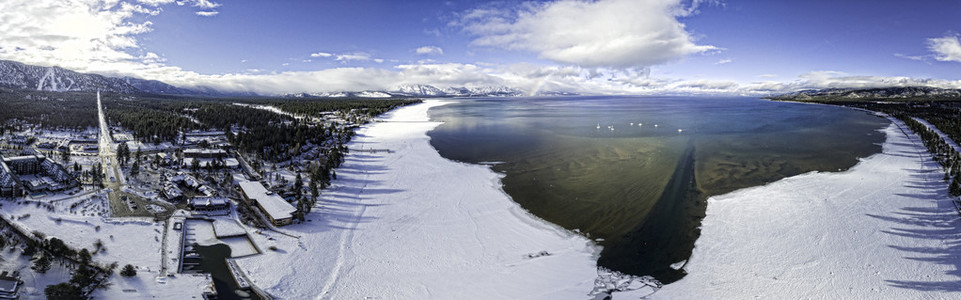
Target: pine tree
<point x="298" y="185"/>
<point x="63" y="291"/>
<point x="955" y="188"/>
<point x="84" y="256"/>
<point x="128" y="271"/>
<point x="135" y="169"/>
<point x="42" y="264"/>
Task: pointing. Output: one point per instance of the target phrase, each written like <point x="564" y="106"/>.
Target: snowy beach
<point x="409" y="224"/>
<point x="885" y="228"/>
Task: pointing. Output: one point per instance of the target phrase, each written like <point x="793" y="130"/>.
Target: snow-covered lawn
<point x="410" y="224"/>
<point x="33" y="283"/>
<point x="126" y="241"/>
<point x="885" y="229"/>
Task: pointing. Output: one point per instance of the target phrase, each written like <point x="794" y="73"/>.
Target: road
<point x="113" y="177"/>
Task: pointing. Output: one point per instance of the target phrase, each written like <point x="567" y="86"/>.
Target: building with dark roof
<point x="10" y="285"/>
<point x="35" y="173"/>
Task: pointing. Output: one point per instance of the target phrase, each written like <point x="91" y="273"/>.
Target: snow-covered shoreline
<point x="410" y="224"/>
<point x="885" y="228"/>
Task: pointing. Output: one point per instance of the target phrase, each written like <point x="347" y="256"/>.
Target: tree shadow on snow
<point x="935" y="218"/>
<point x="343" y="207"/>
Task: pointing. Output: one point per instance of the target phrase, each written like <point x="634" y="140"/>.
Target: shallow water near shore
<point x="633" y="173"/>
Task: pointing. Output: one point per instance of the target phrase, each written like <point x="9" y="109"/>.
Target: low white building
<point x="279" y="211"/>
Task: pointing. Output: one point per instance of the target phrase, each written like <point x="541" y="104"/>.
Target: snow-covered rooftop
<point x="204" y="151"/>
<point x="273" y="205"/>
<point x="209" y="201"/>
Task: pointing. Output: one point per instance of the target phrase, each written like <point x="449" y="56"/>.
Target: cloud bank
<point x="101" y="37"/>
<point x="603" y="33"/>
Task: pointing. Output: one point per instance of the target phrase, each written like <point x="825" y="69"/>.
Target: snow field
<point x="410" y="224"/>
<point x="884" y="229"/>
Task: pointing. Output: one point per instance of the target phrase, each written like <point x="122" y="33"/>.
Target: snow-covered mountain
<point x="888" y="93"/>
<point x="22" y="76"/>
<point x="426" y="91"/>
<point x="421" y="90"/>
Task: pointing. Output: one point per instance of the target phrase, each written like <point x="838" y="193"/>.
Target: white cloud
<point x="947" y="48"/>
<point x="358" y="56"/>
<point x="205" y="4"/>
<point x="155" y="2"/>
<point x="724" y="61"/>
<point x="152" y="58"/>
<point x="767" y="75"/>
<point x="429" y="50"/>
<point x="207" y="13"/>
<point x="911" y="57"/>
<point x="72" y="34"/>
<point x="321" y="54"/>
<point x="434" y="32"/>
<point x="603" y="33"/>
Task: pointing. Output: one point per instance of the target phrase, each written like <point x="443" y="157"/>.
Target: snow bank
<point x="885" y="229"/>
<point x="410" y="224"/>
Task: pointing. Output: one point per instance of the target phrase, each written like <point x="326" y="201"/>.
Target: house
<point x="279" y="211"/>
<point x="207" y="157"/>
<point x="210" y="205"/>
<point x="10" y="285"/>
<point x="172" y="192"/>
<point x="205" y="153"/>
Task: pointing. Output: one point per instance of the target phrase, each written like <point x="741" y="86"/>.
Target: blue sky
<point x="597" y="46"/>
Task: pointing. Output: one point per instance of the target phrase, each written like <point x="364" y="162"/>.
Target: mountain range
<point x="887" y="93"/>
<point x="23" y="76"/>
<point x="428" y="91"/>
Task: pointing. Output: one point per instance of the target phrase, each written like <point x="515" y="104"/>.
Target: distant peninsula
<point x="912" y="93"/>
